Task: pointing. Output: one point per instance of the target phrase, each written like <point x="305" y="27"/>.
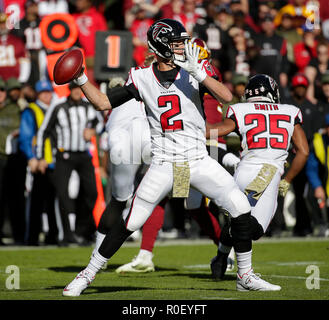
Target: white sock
<point x="243" y="260"/>
<point x="96" y="262"/>
<point x="224" y="249"/>
<point x="145" y="253"/>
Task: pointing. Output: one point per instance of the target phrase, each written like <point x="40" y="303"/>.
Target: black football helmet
<point x="262" y="87"/>
<point x="162" y="33"/>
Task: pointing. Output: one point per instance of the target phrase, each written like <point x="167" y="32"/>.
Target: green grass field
<point x="182" y="272"/>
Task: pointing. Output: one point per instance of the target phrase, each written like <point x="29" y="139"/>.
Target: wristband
<point x="81" y="80"/>
<point x="199" y="75"/>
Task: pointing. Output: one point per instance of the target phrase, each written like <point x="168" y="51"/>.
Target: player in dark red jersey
<point x="14" y="61"/>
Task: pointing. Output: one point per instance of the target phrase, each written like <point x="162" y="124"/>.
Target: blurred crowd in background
<point x="287" y="40"/>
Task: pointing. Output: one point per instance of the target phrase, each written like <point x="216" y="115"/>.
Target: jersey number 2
<point x="262" y="125"/>
<point x="173" y="102"/>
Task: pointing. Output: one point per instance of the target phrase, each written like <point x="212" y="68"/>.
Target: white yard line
<point x="294" y="277"/>
<point x="177" y="242"/>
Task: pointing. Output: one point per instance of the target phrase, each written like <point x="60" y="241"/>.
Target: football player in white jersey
<point x="128" y="145"/>
<point x="170" y="90"/>
<point x="266" y="128"/>
<point x="195" y="204"/>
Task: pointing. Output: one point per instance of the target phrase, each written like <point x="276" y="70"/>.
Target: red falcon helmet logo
<point x="272" y="82"/>
<point x="159" y="28"/>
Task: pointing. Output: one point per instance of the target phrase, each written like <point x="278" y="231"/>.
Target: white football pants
<point x="206" y="176"/>
<point x="265" y="207"/>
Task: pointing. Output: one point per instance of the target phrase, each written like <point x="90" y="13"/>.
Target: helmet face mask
<point x="162" y="36"/>
<point x="262" y="88"/>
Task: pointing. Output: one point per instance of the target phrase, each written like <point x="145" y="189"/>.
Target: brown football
<point x="68" y="66"/>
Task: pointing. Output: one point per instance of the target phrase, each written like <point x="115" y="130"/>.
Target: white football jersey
<point x="265" y="129"/>
<point x="175" y="115"/>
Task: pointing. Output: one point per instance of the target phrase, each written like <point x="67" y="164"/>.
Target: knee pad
<point x="239" y="201"/>
<point x="151" y="187"/>
<point x="241" y="233"/>
<point x="137" y="217"/>
<point x="256" y="228"/>
<point x="240" y="227"/>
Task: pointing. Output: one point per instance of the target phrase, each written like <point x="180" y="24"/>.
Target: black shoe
<point x="68" y="240"/>
<point x="50" y="240"/>
<point x="32" y="243"/>
<point x="83" y="242"/>
<point x="218" y="266"/>
<point x="302" y="232"/>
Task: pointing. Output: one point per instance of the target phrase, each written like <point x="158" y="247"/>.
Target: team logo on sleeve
<point x="160" y="28"/>
<point x="208" y="68"/>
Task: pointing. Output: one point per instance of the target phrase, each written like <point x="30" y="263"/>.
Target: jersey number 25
<point x="270" y="125"/>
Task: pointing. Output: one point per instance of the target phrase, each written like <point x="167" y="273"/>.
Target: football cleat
<point x="218" y="265"/>
<point x="250" y="281"/>
<point x="79" y="284"/>
<point x="141" y="263"/>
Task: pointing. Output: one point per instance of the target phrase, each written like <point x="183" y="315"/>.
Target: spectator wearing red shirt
<point x="305" y="50"/>
<point x="139" y="28"/>
<point x="151" y="7"/>
<point x="14" y="61"/>
<point x="324" y="9"/>
<point x="15" y="9"/>
<point x="182" y="11"/>
<point x="89" y="20"/>
<point x="188" y="16"/>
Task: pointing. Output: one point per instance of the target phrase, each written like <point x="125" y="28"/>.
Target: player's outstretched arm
<point x="99" y="100"/>
<point x="218" y="90"/>
<point x="219" y="129"/>
<point x="302" y="152"/>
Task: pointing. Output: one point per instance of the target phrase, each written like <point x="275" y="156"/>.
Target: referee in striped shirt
<point x="74" y="122"/>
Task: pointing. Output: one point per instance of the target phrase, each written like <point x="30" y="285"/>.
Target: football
<point x="68" y="66"/>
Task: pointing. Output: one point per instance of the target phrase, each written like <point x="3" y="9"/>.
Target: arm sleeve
<point x="118" y="96"/>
